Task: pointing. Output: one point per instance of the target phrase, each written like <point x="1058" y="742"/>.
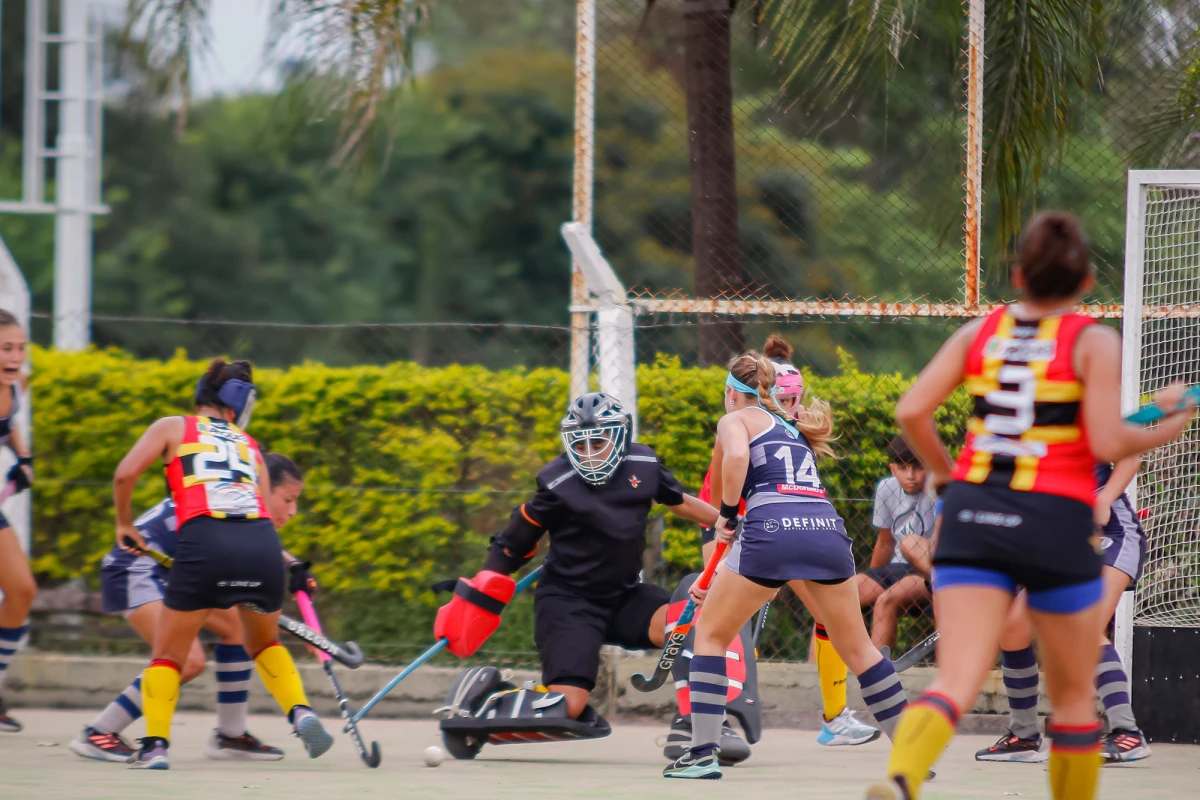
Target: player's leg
<point x="972" y="606"/>
<point x="902" y="595"/>
<point x="870" y="585"/>
<point x="1019" y="669"/>
<point x="569" y="632"/>
<point x="1067" y="620"/>
<point x="731" y="602"/>
<point x="174" y="638"/>
<point x="230" y="740"/>
<point x="278" y="673"/>
<point x="1125" y="741"/>
<point x="19" y="589"/>
<point x="839" y="726"/>
<point x="837" y="605"/>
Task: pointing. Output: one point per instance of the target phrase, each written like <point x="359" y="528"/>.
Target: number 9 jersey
<point x="1026" y="430"/>
<point x="215" y="472"/>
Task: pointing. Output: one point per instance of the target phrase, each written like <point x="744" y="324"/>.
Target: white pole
<point x="32" y="179"/>
<point x="585" y="123"/>
<point x="73" y="222"/>
<point x="1131" y="367"/>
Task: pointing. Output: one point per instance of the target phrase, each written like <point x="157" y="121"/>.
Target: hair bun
<point x="777" y="348"/>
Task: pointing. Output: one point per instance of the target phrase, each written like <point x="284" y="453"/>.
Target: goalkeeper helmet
<point x="596" y="433"/>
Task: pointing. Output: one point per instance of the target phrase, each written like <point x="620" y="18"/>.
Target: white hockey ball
<point x="433" y="756"/>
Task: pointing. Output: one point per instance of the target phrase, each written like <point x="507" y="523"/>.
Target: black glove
<point x="22" y="473"/>
<point x="300" y="578"/>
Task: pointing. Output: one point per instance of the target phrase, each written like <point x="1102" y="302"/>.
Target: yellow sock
<point x="1074" y="761"/>
<point x="831" y="672"/>
<point x="160" y="693"/>
<point x="924" y="730"/>
<point x="278" y="673"/>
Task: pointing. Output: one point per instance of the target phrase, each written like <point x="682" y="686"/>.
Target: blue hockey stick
<point x="1152" y="413"/>
<point x="436" y="648"/>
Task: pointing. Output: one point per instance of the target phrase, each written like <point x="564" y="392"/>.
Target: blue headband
<point x="741" y="388"/>
<point x="738" y="386"/>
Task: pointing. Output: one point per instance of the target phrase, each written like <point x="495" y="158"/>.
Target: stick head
<point x="644" y="684"/>
<point x="374" y="757"/>
<point x="353" y="655"/>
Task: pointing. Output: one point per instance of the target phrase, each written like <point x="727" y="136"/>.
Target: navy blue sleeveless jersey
<point x="6" y="423"/>
<point x="158" y="527"/>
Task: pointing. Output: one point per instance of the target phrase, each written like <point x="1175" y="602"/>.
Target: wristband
<point x="729" y="511"/>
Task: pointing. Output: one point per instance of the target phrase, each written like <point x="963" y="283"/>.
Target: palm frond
<point x="361" y="48"/>
<point x="829" y="48"/>
<point x="1169" y="135"/>
<point x="1044" y="59"/>
<point x="173" y="32"/>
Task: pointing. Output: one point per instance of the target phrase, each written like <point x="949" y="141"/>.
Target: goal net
<point x="1162" y="344"/>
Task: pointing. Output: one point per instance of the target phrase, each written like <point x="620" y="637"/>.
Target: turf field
<point x="786" y="764"/>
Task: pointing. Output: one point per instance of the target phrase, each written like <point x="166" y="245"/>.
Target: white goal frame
<point x="1135" y="314"/>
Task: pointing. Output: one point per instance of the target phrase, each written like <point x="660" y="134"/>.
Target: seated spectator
<point x="901" y="560"/>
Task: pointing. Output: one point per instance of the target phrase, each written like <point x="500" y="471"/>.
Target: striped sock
<point x="831" y="673"/>
<point x="709" y="686"/>
<point x="122" y="711"/>
<point x="234" y="666"/>
<point x="1074" y="761"/>
<point x="925" y="729"/>
<point x="11" y="641"/>
<point x="1020" y="671"/>
<point x="883" y="694"/>
<point x="1113" y="685"/>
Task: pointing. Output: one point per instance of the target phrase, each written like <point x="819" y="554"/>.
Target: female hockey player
<point x="791" y="534"/>
<point x="1123" y="547"/>
<point x="134" y="586"/>
<point x="1018" y="504"/>
<point x="16" y="580"/>
<point x="228" y="555"/>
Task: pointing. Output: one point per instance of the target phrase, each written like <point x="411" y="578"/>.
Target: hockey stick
<point x="371" y="758"/>
<point x="675" y="644"/>
<point x="1152" y="413"/>
<point x="349" y="654"/>
<point x="433" y="650"/>
<point x="761" y="622"/>
<point x="8" y="491"/>
<point x="918" y="652"/>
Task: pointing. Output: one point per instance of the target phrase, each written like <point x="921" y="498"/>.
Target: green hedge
<point x="409" y="469"/>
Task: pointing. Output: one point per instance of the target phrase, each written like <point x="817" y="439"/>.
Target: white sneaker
<point x="846" y="729"/>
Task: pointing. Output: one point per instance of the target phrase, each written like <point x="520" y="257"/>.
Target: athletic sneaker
<point x="91" y="743"/>
<point x="891" y="789"/>
<point x="704" y="768"/>
<point x="7" y="723"/>
<point x="1122" y="746"/>
<point x="1011" y="747"/>
<point x="153" y="754"/>
<point x="734" y="749"/>
<point x="246" y="747"/>
<point x="311" y="731"/>
<point x="846" y="729"/>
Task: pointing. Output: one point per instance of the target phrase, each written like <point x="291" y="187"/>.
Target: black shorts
<point x="570" y="629"/>
<point x="1042" y="541"/>
<point x="888" y="575"/>
<point x="223" y="563"/>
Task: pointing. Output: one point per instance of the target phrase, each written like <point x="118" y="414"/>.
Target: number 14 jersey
<point x="1026" y="429"/>
<point x="215" y="472"/>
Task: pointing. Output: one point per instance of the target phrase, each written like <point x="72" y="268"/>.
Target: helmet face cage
<point x="595" y="434"/>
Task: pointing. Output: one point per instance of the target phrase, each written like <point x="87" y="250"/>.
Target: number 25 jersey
<point x="215" y="472"/>
<point x="1026" y="430"/>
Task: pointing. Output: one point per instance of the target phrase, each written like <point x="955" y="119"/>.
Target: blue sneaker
<point x="688" y="765"/>
<point x="846" y="729"/>
<point x="311" y="731"/>
<point x="153" y="754"/>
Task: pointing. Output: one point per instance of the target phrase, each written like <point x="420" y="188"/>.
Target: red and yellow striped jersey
<point x="1026" y="429"/>
<point x="215" y="472"/>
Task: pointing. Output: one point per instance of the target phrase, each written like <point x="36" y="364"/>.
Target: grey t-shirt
<point x="902" y="513"/>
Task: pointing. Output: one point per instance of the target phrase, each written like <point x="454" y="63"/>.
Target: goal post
<point x="1157" y="629"/>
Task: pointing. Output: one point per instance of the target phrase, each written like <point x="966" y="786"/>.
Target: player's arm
<point x="517" y="544"/>
<point x="158" y="441"/>
<point x="21" y="473"/>
<point x="885" y="548"/>
<point x="1122" y="475"/>
<point x="732" y="452"/>
<point x="671" y="494"/>
<point x="914" y="412"/>
<point x="1098" y="363"/>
